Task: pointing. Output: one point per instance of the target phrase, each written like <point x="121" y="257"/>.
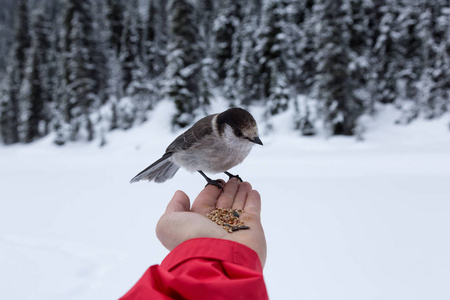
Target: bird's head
<point x="241" y="123"/>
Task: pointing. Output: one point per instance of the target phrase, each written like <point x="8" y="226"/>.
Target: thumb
<point x="179" y="202"/>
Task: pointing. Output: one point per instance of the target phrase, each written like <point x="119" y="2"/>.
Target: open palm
<point x="182" y="222"/>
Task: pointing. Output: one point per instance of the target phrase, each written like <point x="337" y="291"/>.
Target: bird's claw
<point x="217" y="183"/>
<point x="234" y="176"/>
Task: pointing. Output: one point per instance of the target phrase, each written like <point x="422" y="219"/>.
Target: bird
<point x="214" y="144"/>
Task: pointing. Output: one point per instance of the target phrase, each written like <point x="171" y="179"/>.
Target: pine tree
<point x="276" y="52"/>
<point x="130" y="50"/>
<point x="206" y="12"/>
<point x="155" y="41"/>
<point x="246" y="85"/>
<point x="206" y="84"/>
<point x="232" y="70"/>
<point x="81" y="87"/>
<point x="114" y="16"/>
<point x="10" y="105"/>
<point x="300" y="35"/>
<point x="78" y="86"/>
<point x="22" y="37"/>
<point x="304" y="68"/>
<point x="360" y="41"/>
<point x="183" y="62"/>
<point x="142" y="63"/>
<point x="340" y="107"/>
<point x="408" y="48"/>
<point x="50" y="13"/>
<point x="35" y="93"/>
<point x="409" y="62"/>
<point x="433" y="84"/>
<point x="100" y="29"/>
<point x="7" y="17"/>
<point x="279" y="93"/>
<point x="114" y="87"/>
<point x="224" y="38"/>
<point x="385" y="58"/>
<point x="114" y="12"/>
<point x="304" y="121"/>
<point x="270" y="42"/>
<point x="44" y="38"/>
<point x="32" y="106"/>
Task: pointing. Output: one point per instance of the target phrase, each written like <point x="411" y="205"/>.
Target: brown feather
<point x="193" y="135"/>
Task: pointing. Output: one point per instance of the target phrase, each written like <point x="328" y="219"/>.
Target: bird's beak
<point x="256" y="140"/>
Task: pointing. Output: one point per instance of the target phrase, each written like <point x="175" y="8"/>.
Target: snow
<point x="344" y="219"/>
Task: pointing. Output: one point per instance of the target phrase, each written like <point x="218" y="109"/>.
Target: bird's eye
<point x="238" y="133"/>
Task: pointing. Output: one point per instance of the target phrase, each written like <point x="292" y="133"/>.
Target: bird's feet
<point x="233" y="176"/>
<point x="219" y="183"/>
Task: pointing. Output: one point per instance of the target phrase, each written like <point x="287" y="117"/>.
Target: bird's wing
<point x="193" y="135"/>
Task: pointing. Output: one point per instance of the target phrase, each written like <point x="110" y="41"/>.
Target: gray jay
<point x="214" y="144"/>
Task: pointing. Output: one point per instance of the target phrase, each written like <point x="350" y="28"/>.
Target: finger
<point x="242" y="194"/>
<point x="230" y="190"/>
<point x="253" y="204"/>
<point x="179" y="202"/>
<point x="206" y="200"/>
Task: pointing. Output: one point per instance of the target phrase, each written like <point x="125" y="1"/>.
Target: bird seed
<point x="228" y="219"/>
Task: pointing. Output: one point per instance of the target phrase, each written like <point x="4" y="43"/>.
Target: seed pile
<point x="227" y="218"/>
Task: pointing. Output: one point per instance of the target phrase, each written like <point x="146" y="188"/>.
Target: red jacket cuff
<point x="203" y="269"/>
<point x="215" y="249"/>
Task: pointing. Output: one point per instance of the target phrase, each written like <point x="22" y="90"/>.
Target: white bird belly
<point x="212" y="157"/>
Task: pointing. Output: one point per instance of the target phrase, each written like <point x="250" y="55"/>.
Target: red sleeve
<point x="203" y="268"/>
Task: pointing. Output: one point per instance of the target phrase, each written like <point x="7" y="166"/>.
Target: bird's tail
<point x="159" y="171"/>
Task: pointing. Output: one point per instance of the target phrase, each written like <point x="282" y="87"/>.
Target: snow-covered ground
<point x="344" y="219"/>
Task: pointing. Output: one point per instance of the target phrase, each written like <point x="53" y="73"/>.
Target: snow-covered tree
<point x="10" y="104"/>
<point x="386" y="54"/>
<point x="205" y="13"/>
<point x="78" y="86"/>
<point x="32" y="104"/>
<point x="276" y="50"/>
<point x="304" y="118"/>
<point x="155" y="40"/>
<point x="7" y="16"/>
<point x="35" y="92"/>
<point x="246" y="86"/>
<point x="224" y="31"/>
<point x="183" y="69"/>
<point x="433" y="84"/>
<point x="340" y="107"/>
<point x="130" y="58"/>
<point x="302" y="58"/>
<point x="114" y="16"/>
<point x="279" y="93"/>
<point x="271" y="42"/>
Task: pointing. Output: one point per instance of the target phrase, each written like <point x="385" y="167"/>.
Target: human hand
<point x="181" y="222"/>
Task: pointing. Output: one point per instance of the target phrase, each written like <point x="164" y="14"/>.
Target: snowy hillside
<point x="343" y="219"/>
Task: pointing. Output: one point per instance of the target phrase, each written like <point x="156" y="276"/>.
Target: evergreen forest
<point x="78" y="69"/>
